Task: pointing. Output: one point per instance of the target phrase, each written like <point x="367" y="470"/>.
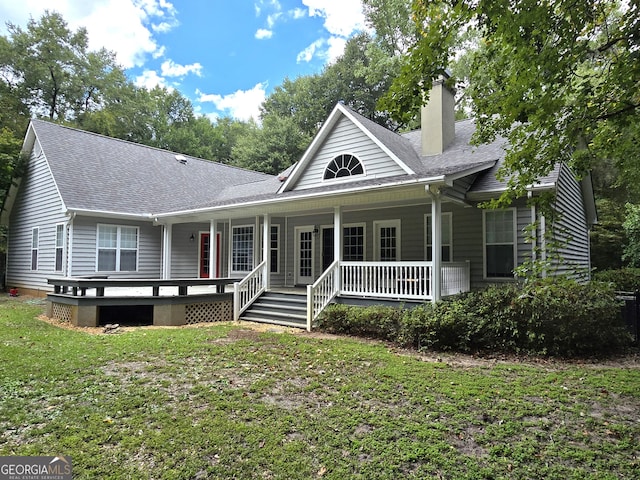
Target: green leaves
<point x="557" y="79"/>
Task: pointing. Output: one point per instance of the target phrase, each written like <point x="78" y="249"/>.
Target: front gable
<point x="346" y="146"/>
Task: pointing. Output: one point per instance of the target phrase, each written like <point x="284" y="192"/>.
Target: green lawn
<point x="228" y="402"/>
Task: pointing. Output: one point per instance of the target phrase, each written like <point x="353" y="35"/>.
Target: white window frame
<point x="485" y="244"/>
<point x="275" y="269"/>
<point x="35" y="248"/>
<point x="118" y="248"/>
<point x="364" y="240"/>
<point x="251" y="253"/>
<point x="377" y="225"/>
<point x="447" y="220"/>
<point x="59" y="247"/>
<point x="348" y="177"/>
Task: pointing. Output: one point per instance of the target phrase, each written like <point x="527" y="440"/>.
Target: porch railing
<point x="248" y="289"/>
<point x="406" y="280"/>
<point x="322" y="292"/>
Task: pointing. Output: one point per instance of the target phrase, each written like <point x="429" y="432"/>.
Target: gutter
<point x="109" y="214"/>
<point x="322" y="194"/>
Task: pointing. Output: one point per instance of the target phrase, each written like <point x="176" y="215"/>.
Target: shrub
<point x="373" y="321"/>
<point x="548" y="317"/>
<point x="623" y="279"/>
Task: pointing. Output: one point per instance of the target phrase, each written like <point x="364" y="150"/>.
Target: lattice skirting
<point x="61" y="312"/>
<point x="208" y="312"/>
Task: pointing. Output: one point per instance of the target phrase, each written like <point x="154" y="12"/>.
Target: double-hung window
<point x="117" y="248"/>
<point x="59" y="246"/>
<point x="446" y="238"/>
<point x="499" y="243"/>
<point x="242" y="249"/>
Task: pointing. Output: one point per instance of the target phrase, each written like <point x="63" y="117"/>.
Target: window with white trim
<point x="59" y="246"/>
<point x="117" y="248"/>
<point x="499" y="242"/>
<point x="345" y="165"/>
<point x="387" y="246"/>
<point x="445" y="234"/>
<point x="274" y="248"/>
<point x="35" y="246"/>
<point x="242" y="248"/>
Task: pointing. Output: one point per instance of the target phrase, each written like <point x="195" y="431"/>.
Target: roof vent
<point x="182" y="159"/>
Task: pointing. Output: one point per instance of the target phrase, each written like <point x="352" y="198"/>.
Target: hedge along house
<point x="365" y="213"/>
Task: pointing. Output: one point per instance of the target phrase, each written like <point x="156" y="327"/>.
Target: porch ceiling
<point x="311" y="204"/>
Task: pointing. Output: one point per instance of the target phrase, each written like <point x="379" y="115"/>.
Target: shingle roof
<point x="95" y="172"/>
<point x="98" y="173"/>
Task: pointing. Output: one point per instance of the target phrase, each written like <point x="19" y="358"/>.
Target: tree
<point x="559" y="80"/>
<point x="272" y="147"/>
<point x="631" y="226"/>
<point x="50" y="69"/>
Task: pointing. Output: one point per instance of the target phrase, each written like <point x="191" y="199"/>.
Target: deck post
<point x="436" y="243"/>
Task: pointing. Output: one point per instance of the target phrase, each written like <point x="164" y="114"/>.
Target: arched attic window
<point x="344" y="165"/>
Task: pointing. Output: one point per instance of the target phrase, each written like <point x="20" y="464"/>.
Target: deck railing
<point x="320" y="294"/>
<point x="248" y="289"/>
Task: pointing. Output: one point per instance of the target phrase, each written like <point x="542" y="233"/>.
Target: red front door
<point x="204" y="255"/>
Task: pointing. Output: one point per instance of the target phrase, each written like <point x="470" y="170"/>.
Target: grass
<point x="228" y="402"/>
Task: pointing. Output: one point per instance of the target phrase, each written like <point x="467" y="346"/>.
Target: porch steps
<point x="287" y="309"/>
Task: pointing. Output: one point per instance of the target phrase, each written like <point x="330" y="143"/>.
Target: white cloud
<point x="150" y="79"/>
<point x="122" y="26"/>
<point x="335" y="49"/>
<point x="242" y="104"/>
<point x="263" y="33"/>
<point x="298" y="13"/>
<point x="171" y="69"/>
<point x="341" y="17"/>
<point x="308" y="53"/>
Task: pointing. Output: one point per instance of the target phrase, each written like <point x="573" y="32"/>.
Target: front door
<point x="205" y="249"/>
<point x="304" y="255"/>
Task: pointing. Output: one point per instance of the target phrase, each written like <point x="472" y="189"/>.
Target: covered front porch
<point x="376" y="246"/>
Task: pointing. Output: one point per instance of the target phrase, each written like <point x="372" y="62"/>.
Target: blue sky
<point x="224" y="55"/>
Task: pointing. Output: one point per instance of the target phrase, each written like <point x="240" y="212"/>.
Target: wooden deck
<point x="89" y="301"/>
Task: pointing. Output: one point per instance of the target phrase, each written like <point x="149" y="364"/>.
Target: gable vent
<point x="181" y="159"/>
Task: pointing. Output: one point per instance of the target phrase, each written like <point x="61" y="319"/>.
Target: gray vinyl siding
<point x="84" y="248"/>
<point x="570" y="229"/>
<point x="348" y="138"/>
<point x="38" y="204"/>
<point x="185" y="254"/>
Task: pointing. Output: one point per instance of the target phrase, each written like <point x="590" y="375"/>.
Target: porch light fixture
<point x="192" y="238"/>
<point x="316" y="230"/>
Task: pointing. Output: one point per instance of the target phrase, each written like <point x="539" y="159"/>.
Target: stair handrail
<point x="247" y="290"/>
<point x="323" y="290"/>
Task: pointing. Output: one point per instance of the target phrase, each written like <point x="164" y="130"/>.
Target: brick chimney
<point x="437" y="119"/>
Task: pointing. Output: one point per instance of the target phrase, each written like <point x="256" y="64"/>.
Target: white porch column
<point x="266" y="249"/>
<point x="167" y="234"/>
<point x="436" y="244"/>
<point x="337" y="242"/>
<point x="213" y="249"/>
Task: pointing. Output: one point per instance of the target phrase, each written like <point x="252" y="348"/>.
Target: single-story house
<point x="365" y="213"/>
